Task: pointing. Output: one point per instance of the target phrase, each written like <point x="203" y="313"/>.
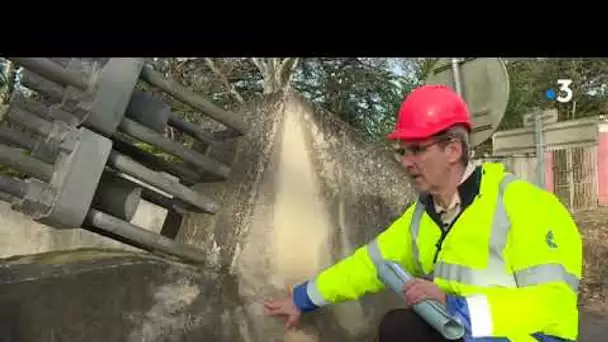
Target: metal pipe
<point x="191" y="130"/>
<point x="51" y="91"/>
<point x="30" y="121"/>
<point x="13" y="187"/>
<point x="187" y="175"/>
<point x="32" y="167"/>
<point x="166" y="202"/>
<point x="195" y="101"/>
<point x="540" y="149"/>
<point x="35" y="107"/>
<point x="53" y="71"/>
<point x="141" y="237"/>
<point x="13" y="137"/>
<point x="117" y="196"/>
<point x="47" y="148"/>
<point x="155" y="198"/>
<point x="147" y="135"/>
<point x="456" y="71"/>
<point x="132" y="168"/>
<point x="150" y="112"/>
<point x="44" y="111"/>
<point x="225" y="134"/>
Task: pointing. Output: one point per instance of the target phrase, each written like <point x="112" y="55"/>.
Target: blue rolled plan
<point x="433" y="312"/>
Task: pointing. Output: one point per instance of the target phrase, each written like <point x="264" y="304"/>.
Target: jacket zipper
<point x="444" y="234"/>
<point x="439" y="244"/>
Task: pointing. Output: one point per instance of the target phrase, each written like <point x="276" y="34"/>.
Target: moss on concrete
<point x="290" y="208"/>
<point x="65" y="257"/>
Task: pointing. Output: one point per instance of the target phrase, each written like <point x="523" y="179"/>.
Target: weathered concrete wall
<point x="306" y="191"/>
<point x="99" y="296"/>
<point x="19" y="235"/>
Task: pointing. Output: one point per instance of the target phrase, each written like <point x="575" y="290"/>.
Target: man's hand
<point x="417" y="290"/>
<point x="284" y="307"/>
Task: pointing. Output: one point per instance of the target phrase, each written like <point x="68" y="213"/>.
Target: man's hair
<point x="461" y="134"/>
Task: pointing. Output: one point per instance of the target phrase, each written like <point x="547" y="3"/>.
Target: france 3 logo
<point x="564" y="92"/>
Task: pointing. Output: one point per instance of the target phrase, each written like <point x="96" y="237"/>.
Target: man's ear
<point x="454" y="151"/>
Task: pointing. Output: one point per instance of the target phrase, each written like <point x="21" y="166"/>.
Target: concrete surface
<point x="98" y="295"/>
<point x="21" y="236"/>
<point x="305" y="191"/>
<point x="102" y="295"/>
<point x="593" y="326"/>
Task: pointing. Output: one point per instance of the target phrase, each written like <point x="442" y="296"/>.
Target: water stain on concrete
<point x="167" y="316"/>
<point x="305" y="191"/>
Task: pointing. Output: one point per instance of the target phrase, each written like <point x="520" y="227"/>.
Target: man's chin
<point x="419" y="185"/>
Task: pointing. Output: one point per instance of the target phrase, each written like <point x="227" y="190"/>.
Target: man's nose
<point x="407" y="160"/>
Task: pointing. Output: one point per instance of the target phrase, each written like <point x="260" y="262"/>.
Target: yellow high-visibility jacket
<point x="510" y="263"/>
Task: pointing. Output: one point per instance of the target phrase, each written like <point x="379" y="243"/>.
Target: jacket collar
<point x="467" y="190"/>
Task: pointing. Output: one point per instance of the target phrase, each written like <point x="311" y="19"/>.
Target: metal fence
<point x="575" y="177"/>
<point x="571" y="174"/>
<point x="570" y="166"/>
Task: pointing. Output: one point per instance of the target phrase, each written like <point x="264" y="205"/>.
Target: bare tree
<point x="276" y="72"/>
<point x="7" y="83"/>
<point x="224" y="79"/>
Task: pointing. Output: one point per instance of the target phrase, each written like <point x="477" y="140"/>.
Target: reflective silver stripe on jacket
<point x="496" y="272"/>
<point x="546" y="273"/>
<point x="313" y="293"/>
<point x="374" y="252"/>
<point x="414" y="229"/>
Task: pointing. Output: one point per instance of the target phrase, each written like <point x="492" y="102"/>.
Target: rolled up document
<point x="433" y="312"/>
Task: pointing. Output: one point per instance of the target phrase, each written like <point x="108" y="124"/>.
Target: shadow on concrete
<point x="103" y="295"/>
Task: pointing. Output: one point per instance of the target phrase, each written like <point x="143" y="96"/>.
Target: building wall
<point x="602" y="165"/>
<point x="577" y="175"/>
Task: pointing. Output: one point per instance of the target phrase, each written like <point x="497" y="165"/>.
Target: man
<point x="502" y="255"/>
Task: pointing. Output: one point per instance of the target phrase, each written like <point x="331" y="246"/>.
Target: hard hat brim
<point x="410" y="134"/>
<point x="402" y="134"/>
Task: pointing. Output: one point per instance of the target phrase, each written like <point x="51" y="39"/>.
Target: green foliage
<point x="364" y="92"/>
<point x="530" y="78"/>
<point x="196" y="74"/>
<point x="9" y="172"/>
<point x="3" y="81"/>
<point x="157" y="152"/>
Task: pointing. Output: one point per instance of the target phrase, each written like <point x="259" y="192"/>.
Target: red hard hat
<point x="428" y="110"/>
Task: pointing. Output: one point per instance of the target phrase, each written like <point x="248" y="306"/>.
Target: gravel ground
<point x="594" y="287"/>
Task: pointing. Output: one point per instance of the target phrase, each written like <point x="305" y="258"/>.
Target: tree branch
<point x="230" y="87"/>
<point x="287" y="73"/>
<point x="10" y="74"/>
<point x="261" y="64"/>
<point x="275" y="72"/>
<point x="256" y="61"/>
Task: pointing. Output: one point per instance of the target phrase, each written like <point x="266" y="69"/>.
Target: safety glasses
<point x="418" y="149"/>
